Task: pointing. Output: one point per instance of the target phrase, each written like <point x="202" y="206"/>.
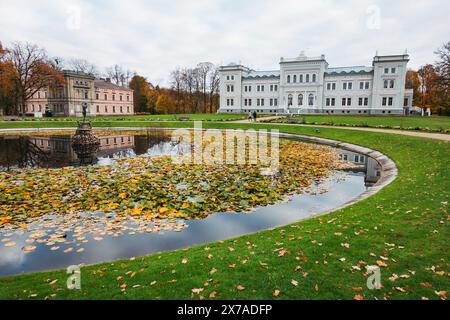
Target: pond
<point x="52" y="242"/>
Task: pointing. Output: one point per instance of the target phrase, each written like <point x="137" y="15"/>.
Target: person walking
<point x="254" y="116"/>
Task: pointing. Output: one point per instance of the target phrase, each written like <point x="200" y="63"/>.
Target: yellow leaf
<point x="163" y="209"/>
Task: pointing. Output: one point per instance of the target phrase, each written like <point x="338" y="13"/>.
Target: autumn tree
<point x="443" y="64"/>
<point x="165" y="104"/>
<point x="82" y="65"/>
<point x="34" y="71"/>
<point x="413" y="82"/>
<point x="141" y="89"/>
<point x="8" y="91"/>
<point x="118" y="76"/>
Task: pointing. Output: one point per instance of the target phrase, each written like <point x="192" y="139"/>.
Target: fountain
<point x="85" y="143"/>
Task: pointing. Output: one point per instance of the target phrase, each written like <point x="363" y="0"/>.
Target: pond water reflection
<point x="55" y="151"/>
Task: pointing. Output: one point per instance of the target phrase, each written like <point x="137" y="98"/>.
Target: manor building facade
<point x="102" y="97"/>
<point x="307" y="85"/>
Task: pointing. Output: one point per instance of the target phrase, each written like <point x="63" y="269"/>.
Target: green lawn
<point x="434" y="123"/>
<point x="155" y="117"/>
<point x="404" y="227"/>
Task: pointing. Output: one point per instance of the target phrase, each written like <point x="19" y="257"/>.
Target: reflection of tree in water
<point x="152" y="137"/>
<point x="22" y="152"/>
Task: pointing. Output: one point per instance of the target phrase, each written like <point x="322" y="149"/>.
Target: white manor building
<point x="307" y="85"/>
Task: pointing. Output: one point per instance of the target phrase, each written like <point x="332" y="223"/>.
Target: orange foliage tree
<point x="34" y="71"/>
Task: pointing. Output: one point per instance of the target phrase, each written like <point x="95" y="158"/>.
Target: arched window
<point x="311" y="99"/>
<point x="307" y="78"/>
<point x="300" y="99"/>
<point x="295" y="78"/>
<point x="289" y="100"/>
<point x="288" y="79"/>
<point x="314" y="78"/>
<point x="301" y="78"/>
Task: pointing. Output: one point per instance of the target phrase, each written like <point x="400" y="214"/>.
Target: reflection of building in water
<point x="371" y="168"/>
<point x="62" y="153"/>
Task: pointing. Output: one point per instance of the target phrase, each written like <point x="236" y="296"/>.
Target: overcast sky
<point x="154" y="37"/>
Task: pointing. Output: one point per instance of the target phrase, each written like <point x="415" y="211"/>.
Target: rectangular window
<point x="344" y="86"/>
<point x="249" y="102"/>
<point x="276" y="87"/>
<point x="262" y="102"/>
<point x="367" y="86"/>
<point x="97" y="96"/>
<point x="361" y="86"/>
<point x="349" y="101"/>
<point x="366" y="101"/>
<point x="85" y="94"/>
<point x="344" y="101"/>
<point x="360" y="101"/>
<point x="391" y="84"/>
<point x="257" y="102"/>
<point x="114" y="97"/>
<point x="350" y="85"/>
<point x="393" y="70"/>
<point x="333" y="102"/>
<point x="275" y="102"/>
<point x="386" y="84"/>
<point x="106" y="96"/>
<point x="301" y="78"/>
<point x="405" y="102"/>
<point x="328" y="86"/>
<point x="106" y="109"/>
<point x="271" y="102"/>
<point x="386" y="70"/>
<point x="390" y="101"/>
<point x="98" y="108"/>
<point x="384" y="101"/>
<point x="262" y="88"/>
<point x="327" y="103"/>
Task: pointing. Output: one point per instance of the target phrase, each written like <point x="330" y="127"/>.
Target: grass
<point x="434" y="123"/>
<point x="405" y="226"/>
<point x="155" y="117"/>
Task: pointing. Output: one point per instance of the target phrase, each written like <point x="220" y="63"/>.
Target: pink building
<point x="102" y="97"/>
<point x="111" y="99"/>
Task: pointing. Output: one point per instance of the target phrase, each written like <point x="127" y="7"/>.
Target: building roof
<point x="349" y="70"/>
<point x="262" y="74"/>
<point x="103" y="84"/>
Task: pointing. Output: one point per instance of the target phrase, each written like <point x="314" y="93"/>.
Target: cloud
<point x="154" y="37"/>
